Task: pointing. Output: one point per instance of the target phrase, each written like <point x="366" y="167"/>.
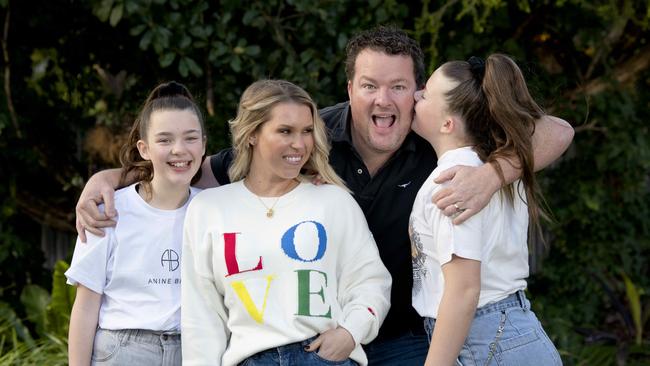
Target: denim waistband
<point x="145" y="336"/>
<point x="517" y="299"/>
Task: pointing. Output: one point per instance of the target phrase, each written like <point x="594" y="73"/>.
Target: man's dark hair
<point x="389" y="40"/>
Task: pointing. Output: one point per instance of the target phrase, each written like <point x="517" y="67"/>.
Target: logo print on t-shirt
<point x="170" y="260"/>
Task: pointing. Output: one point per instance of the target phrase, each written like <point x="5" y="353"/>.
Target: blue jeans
<point x="136" y="347"/>
<point x="405" y="350"/>
<point x="292" y="354"/>
<point x="507" y="333"/>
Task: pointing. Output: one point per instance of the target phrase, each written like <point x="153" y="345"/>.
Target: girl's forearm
<point x="455" y="313"/>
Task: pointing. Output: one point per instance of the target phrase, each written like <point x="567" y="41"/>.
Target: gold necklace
<point x="269" y="210"/>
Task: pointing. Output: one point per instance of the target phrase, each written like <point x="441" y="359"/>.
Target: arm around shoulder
<point x="552" y="137"/>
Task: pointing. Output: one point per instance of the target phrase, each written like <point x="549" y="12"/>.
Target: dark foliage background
<point x="75" y="72"/>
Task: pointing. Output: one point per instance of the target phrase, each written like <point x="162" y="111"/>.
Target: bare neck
<point x="164" y="197"/>
<point x="373" y="159"/>
<point x="261" y="186"/>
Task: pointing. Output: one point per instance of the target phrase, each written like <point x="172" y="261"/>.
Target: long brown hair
<point x="166" y="96"/>
<point x="500" y="115"/>
<point x="254" y="110"/>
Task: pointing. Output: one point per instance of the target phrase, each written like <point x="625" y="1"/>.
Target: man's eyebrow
<point x="394" y="81"/>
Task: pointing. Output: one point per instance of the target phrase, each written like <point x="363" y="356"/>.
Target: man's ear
<point x="143" y="149"/>
<point x="350" y="91"/>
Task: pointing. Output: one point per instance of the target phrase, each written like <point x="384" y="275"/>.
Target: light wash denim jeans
<point x="505" y="333"/>
<point x="136" y="347"/>
<point x="290" y="355"/>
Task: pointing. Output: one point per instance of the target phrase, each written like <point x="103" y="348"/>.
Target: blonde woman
<point x="276" y="270"/>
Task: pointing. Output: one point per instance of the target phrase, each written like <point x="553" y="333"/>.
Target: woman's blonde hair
<point x="254" y="110"/>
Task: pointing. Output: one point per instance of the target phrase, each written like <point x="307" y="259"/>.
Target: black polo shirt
<point x="386" y="200"/>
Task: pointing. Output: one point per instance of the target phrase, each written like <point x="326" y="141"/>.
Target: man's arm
<point x="470" y="188"/>
<point x="101" y="188"/>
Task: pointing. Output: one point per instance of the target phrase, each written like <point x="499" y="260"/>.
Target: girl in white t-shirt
<point x="468" y="279"/>
<point x="127" y="307"/>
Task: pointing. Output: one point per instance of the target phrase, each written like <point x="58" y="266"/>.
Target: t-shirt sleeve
<point x="90" y="262"/>
<point x="220" y="163"/>
<point x="464" y="240"/>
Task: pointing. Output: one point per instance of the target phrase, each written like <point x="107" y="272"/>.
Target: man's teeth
<point x="179" y="164"/>
<point x="384" y="121"/>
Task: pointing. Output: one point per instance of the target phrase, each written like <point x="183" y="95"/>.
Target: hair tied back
<point x="477" y="67"/>
<point x="171" y="89"/>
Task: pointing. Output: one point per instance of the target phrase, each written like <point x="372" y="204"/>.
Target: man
<point x="384" y="165"/>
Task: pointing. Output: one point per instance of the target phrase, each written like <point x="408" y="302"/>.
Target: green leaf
<point x="183" y="68"/>
<point x="116" y="14"/>
<point x="132" y="6"/>
<point x="145" y="41"/>
<point x="248" y="17"/>
<point x="253" y="50"/>
<point x="103" y="11"/>
<point x="8" y="316"/>
<point x="235" y="64"/>
<point x="634" y="301"/>
<point x="35" y="299"/>
<point x="194" y="68"/>
<point x="137" y="29"/>
<point x="167" y="59"/>
<point x="185" y="41"/>
<point x="63" y="295"/>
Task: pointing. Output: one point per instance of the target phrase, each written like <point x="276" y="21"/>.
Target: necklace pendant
<point x="269" y="213"/>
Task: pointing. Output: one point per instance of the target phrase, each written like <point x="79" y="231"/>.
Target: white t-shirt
<point x="252" y="283"/>
<point x="135" y="266"/>
<point x="496" y="236"/>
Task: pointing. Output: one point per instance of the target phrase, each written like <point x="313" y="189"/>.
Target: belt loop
<point x="521" y="296"/>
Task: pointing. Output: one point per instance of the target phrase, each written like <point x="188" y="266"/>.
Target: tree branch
<point x="7" y="75"/>
<point x="625" y="72"/>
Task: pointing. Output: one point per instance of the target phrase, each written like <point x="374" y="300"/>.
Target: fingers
<point x="315" y="344"/>
<point x="446" y="199"/>
<point x="80" y="230"/>
<point x="109" y="202"/>
<point x="440" y="194"/>
<point x="91" y="220"/>
<point x="462" y="216"/>
<point x="447" y="174"/>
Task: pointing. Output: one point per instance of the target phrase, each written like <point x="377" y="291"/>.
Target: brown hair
<point x="166" y="96"/>
<point x="254" y="110"/>
<point x="500" y="115"/>
<point x="389" y="40"/>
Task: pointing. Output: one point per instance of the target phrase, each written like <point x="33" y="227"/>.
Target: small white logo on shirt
<point x="404" y="185"/>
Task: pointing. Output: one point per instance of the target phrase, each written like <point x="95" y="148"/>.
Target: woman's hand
<point x="334" y="344"/>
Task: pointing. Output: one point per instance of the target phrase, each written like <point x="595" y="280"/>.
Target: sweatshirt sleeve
<point x="204" y="316"/>
<point x="364" y="281"/>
